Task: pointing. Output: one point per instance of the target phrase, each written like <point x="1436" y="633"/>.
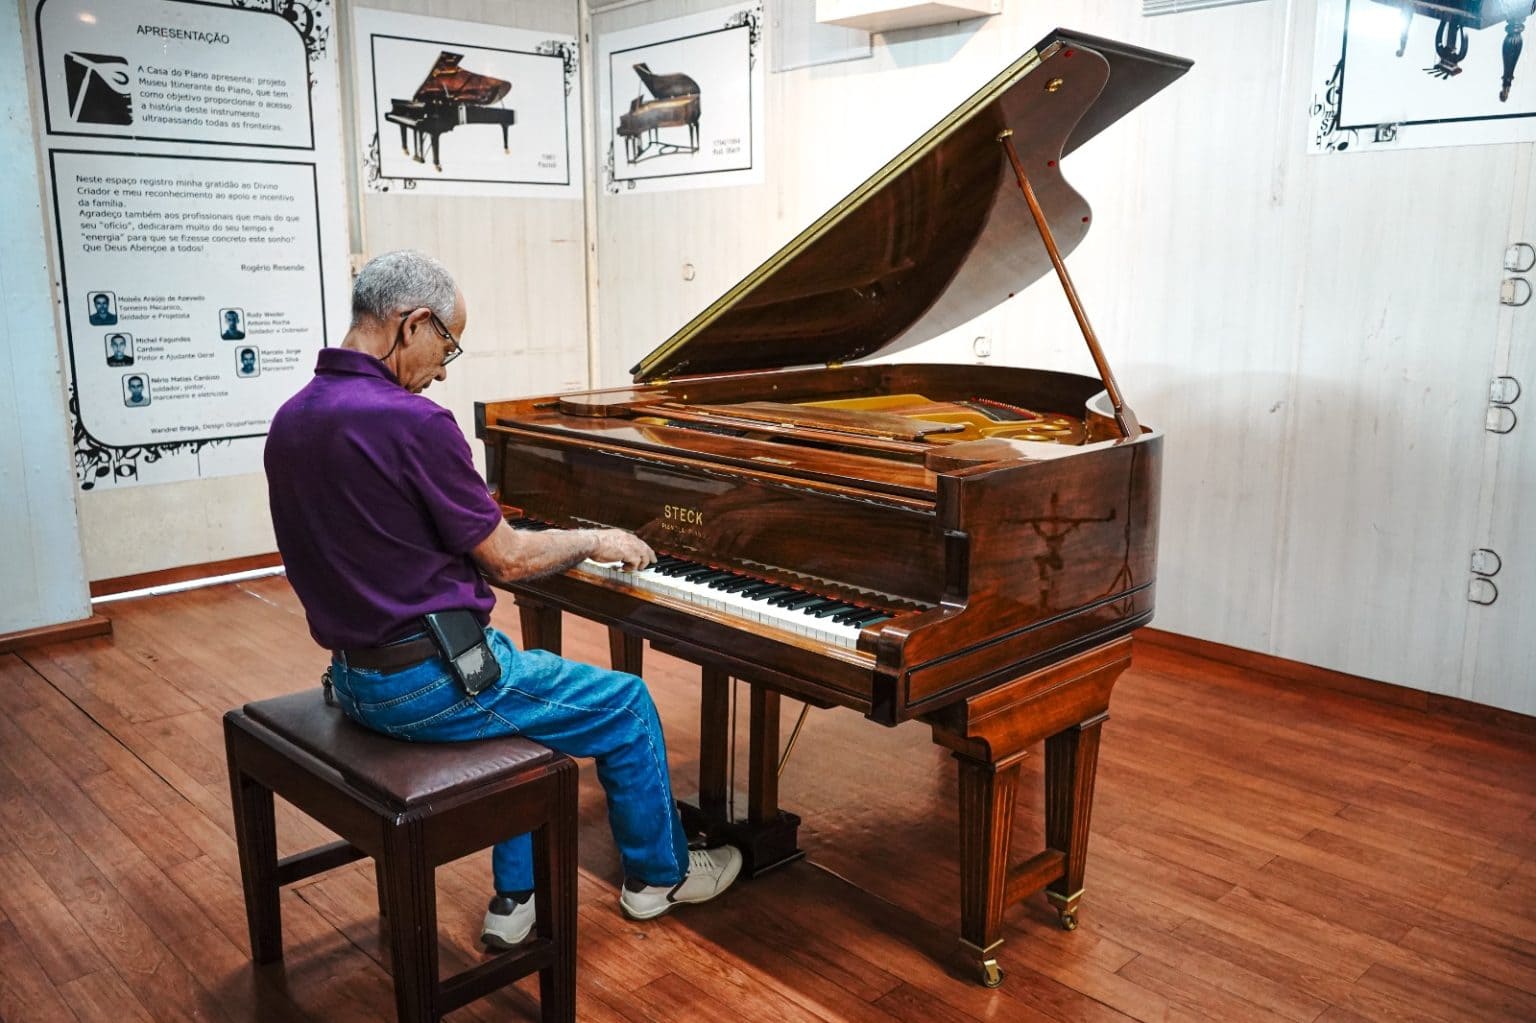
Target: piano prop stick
<point x="969" y="547"/>
<point x="1129" y="427"/>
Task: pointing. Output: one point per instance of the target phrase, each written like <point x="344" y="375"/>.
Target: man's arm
<point x="510" y="554"/>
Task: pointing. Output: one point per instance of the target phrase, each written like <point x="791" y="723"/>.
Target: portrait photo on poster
<point x="247" y="362"/>
<point x="450" y="107"/>
<point x="232" y="324"/>
<point x="1413" y="73"/>
<point x="119" y="349"/>
<point x="101" y="308"/>
<point x="136" y="390"/>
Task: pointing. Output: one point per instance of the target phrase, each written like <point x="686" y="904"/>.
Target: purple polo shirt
<point x="376" y="505"/>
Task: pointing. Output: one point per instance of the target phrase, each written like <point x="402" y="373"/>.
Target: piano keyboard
<point x="802" y="612"/>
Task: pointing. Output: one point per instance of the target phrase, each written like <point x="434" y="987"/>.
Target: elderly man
<point x="383" y="524"/>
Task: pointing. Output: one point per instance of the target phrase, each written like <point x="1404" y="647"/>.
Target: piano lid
<point x="937" y="236"/>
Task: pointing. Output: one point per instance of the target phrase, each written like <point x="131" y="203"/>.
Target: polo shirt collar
<point x="352" y="362"/>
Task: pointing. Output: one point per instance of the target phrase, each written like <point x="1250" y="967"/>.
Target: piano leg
<point x="626" y="652"/>
<point x="768" y="837"/>
<point x="990" y="734"/>
<point x="541" y="625"/>
<point x="1071" y="764"/>
<point x="714" y="743"/>
<point x="506" y="141"/>
<point x="403" y="148"/>
<point x="437" y="161"/>
<point x="988" y="793"/>
<point x="1514" y="42"/>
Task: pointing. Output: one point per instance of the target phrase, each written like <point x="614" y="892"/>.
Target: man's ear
<point x="416" y="320"/>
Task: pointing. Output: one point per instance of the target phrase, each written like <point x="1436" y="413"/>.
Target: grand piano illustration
<point x="1459" y="17"/>
<point x="448" y="98"/>
<point x="968" y="547"/>
<point x="674" y="104"/>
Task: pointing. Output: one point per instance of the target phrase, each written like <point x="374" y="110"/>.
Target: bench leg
<point x="256" y="839"/>
<point x="554" y="880"/>
<point x="410" y="899"/>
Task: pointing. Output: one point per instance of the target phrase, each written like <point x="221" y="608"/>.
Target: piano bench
<point x="412" y="807"/>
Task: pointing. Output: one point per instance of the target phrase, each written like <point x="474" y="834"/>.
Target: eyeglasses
<point x="443" y="332"/>
<point x="447" y="335"/>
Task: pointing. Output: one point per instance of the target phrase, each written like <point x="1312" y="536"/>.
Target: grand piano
<point x="675" y="105"/>
<point x="450" y="96"/>
<point x="969" y="547"/>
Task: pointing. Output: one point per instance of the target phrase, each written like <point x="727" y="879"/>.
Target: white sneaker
<point x="710" y="872"/>
<point x="507" y="923"/>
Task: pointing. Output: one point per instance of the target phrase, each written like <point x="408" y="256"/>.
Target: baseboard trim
<point x="1309" y="674"/>
<point x="167" y="576"/>
<point x="95" y="625"/>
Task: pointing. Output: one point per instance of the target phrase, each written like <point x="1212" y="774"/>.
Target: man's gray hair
<point x="390" y="284"/>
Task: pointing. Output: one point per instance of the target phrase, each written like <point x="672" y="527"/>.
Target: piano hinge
<point x="834" y="365"/>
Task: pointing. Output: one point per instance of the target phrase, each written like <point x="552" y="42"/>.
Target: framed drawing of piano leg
<point x="1064" y="705"/>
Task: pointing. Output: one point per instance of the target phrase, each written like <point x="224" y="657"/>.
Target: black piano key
<point x="875" y="621"/>
<point x="848" y="617"/>
<point x="817" y="605"/>
<point x="768" y="594"/>
<point x="798" y="602"/>
<point x="865" y="618"/>
<point x="757" y="589"/>
<point x="739" y="582"/>
<point x="708" y="577"/>
<point x="837" y="607"/>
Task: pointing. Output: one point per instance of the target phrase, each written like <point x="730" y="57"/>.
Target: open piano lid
<point x="937" y="236"/>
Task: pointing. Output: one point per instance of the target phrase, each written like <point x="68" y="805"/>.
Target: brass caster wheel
<point x="991" y="974"/>
<point x="1069" y="921"/>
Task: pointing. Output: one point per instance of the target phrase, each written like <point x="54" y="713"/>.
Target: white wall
<point x="1314" y="334"/>
<point x="43" y="578"/>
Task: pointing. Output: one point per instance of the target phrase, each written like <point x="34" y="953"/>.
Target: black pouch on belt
<point x="461" y="640"/>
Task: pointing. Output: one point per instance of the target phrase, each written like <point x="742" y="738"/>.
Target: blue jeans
<point x="574" y="708"/>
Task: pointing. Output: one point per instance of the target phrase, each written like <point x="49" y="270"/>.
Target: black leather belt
<point x="393" y="657"/>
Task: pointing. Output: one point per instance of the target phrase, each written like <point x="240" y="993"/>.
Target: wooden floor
<point x="1260" y="852"/>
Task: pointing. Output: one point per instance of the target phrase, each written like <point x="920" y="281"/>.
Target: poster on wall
<point x="458" y="108"/>
<point x="1400" y="74"/>
<point x="680" y="102"/>
<point x="197" y="212"/>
